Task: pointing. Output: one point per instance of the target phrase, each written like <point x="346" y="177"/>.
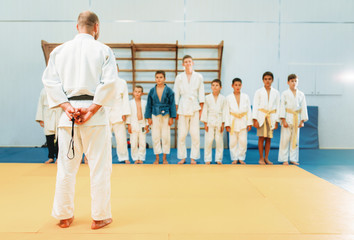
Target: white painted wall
<point x="314" y="38"/>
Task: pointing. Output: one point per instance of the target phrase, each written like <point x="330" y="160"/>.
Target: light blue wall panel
<point x="138" y="10"/>
<point x="232" y="10"/>
<point x="42" y="9"/>
<point x="317" y="10"/>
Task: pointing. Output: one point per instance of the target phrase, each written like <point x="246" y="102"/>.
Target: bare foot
<point x="234" y="162"/>
<point x="85" y="160"/>
<point x="261" y="161"/>
<point x="207" y="163"/>
<point x="127" y="162"/>
<point x="65" y="223"/>
<point x="182" y="161"/>
<point x="268" y="162"/>
<point x="193" y="161"/>
<point x="157" y="160"/>
<point x="295" y="163"/>
<point x="50" y="160"/>
<point x="164" y="159"/>
<point x="100" y="224"/>
<point x="285" y="163"/>
<point x="242" y="162"/>
<point x="219" y="163"/>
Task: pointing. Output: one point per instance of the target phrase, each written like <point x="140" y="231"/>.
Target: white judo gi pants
<point x="238" y="145"/>
<point x="120" y="134"/>
<point x="161" y="132"/>
<point x="188" y="124"/>
<point x="95" y="142"/>
<point x="210" y="135"/>
<point x="285" y="149"/>
<point x="138" y="143"/>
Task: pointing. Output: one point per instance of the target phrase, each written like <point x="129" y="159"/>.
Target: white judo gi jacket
<point x="63" y="79"/>
<point x="188" y="95"/>
<point x="295" y="103"/>
<point x="50" y="117"/>
<point x="121" y="104"/>
<point x="132" y="119"/>
<point x="214" y="112"/>
<point x="238" y="123"/>
<point x="260" y="101"/>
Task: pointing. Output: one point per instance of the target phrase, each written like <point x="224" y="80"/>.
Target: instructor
<point x="80" y="78"/>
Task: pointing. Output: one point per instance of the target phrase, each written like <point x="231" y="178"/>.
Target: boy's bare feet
<point x="207" y="163"/>
<point x="85" y="160"/>
<point x="100" y="224"/>
<point x="50" y="160"/>
<point x="193" y="161"/>
<point x="234" y="162"/>
<point x="164" y="159"/>
<point x="261" y="161"/>
<point x="138" y="162"/>
<point x="65" y="223"/>
<point x="242" y="162"/>
<point x="182" y="161"/>
<point x="295" y="163"/>
<point x="268" y="162"/>
<point x="127" y="162"/>
<point x="219" y="163"/>
<point x="285" y="163"/>
<point x="157" y="160"/>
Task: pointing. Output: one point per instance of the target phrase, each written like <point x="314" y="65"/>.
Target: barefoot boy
<point x="265" y="115"/>
<point x="160" y="112"/>
<point x="189" y="97"/>
<point x="137" y="126"/>
<point x="213" y="116"/>
<point x="117" y="116"/>
<point x="240" y="121"/>
<point x="293" y="114"/>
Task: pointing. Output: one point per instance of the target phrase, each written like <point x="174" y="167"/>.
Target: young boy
<point x="48" y="119"/>
<point x="160" y="112"/>
<point x="117" y="116"/>
<point x="239" y="122"/>
<point x="213" y="116"/>
<point x="189" y="97"/>
<point x="265" y="115"/>
<point x="137" y="126"/>
<point x="293" y="114"/>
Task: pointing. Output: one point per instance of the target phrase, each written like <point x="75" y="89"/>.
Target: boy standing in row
<point x="265" y="115"/>
<point x="160" y="112"/>
<point x="189" y="97"/>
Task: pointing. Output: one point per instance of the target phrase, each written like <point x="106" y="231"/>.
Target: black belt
<point x="81" y="98"/>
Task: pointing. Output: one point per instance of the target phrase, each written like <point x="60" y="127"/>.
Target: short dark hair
<point x="236" y="80"/>
<point x="216" y="81"/>
<point x="292" y="76"/>
<point x="161" y="72"/>
<point x="268" y="74"/>
<point x="139" y="86"/>
<point x="186" y="56"/>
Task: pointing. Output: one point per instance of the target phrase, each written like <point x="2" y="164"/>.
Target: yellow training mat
<point x="181" y="202"/>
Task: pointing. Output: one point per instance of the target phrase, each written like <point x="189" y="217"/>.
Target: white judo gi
<point x="138" y="135"/>
<point x="120" y="108"/>
<point x="83" y="66"/>
<point x="214" y="114"/>
<point x="265" y="109"/>
<point x="239" y="117"/>
<point x="188" y="96"/>
<point x="50" y="116"/>
<point x="294" y="110"/>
